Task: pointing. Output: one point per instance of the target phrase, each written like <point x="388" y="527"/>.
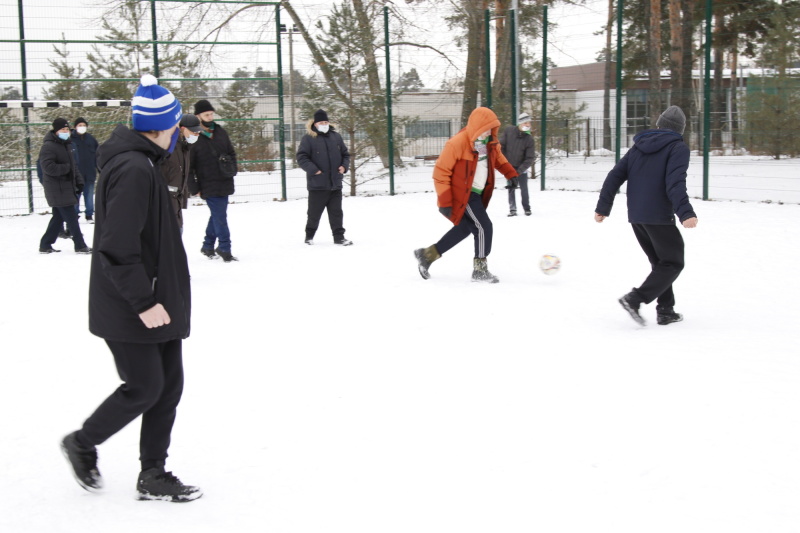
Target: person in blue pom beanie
<point x="139" y="296"/>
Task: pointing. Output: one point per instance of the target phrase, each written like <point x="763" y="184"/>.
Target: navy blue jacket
<point x="655" y="169"/>
<point x="86" y="147"/>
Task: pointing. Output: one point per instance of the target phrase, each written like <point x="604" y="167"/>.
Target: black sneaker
<point x="48" y="250"/>
<point x="631" y="302"/>
<point x="83" y="462"/>
<point x="208" y="252"/>
<point x="84" y="250"/>
<point x="64" y="234"/>
<point x="512" y="214"/>
<point x="667" y="315"/>
<point x="527" y="212"/>
<point x="342" y="242"/>
<point x="226" y="256"/>
<point x="89" y="219"/>
<point x="155" y="484"/>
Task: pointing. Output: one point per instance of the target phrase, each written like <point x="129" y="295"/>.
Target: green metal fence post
<point x="281" y="133"/>
<point x="618" y="88"/>
<point x="156" y="70"/>
<point x="707" y="100"/>
<point x="514" y="77"/>
<point x="488" y="68"/>
<point x="389" y="126"/>
<point x="24" y="71"/>
<point x="543" y="147"/>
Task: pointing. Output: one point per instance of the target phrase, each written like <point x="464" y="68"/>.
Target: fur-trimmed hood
<point x="312" y="131"/>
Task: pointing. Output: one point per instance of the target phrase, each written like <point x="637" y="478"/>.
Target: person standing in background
<point x="86" y="145"/>
<point x="177" y="167"/>
<point x="520" y="150"/>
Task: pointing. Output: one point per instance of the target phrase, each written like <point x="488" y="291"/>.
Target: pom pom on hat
<point x="154" y="107"/>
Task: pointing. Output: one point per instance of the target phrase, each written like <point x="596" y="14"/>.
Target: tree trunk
<point x="654" y="62"/>
<point x="676" y="55"/>
<point x="687" y="88"/>
<point x="607" y="80"/>
<point x="474" y="76"/>
<point x="501" y="83"/>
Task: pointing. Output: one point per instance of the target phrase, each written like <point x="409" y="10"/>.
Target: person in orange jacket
<point x="464" y="181"/>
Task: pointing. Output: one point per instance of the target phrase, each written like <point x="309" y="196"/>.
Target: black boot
<point x="155" y="484"/>
<point x="83" y="462"/>
<point x="208" y="252"/>
<point x="631" y="302"/>
<point x="480" y="271"/>
<point x="667" y="315"/>
<point x="226" y="256"/>
<point x="426" y="256"/>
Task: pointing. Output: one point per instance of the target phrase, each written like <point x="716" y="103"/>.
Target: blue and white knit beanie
<point x="154" y="107"/>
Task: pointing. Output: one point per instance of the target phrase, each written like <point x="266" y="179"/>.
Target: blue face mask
<point x="174" y="141"/>
<point x="63" y="136"/>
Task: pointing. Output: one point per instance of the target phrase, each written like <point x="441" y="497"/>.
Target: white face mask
<point x="191" y="139"/>
<point x="525" y="128"/>
<point x="323" y="129"/>
<point x="81" y="129"/>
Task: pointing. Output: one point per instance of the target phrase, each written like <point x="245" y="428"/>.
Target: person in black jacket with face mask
<point x="325" y="158"/>
<point x="63" y="184"/>
<point x="139" y="297"/>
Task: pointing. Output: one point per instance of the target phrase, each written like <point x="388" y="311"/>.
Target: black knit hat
<point x="202" y="106"/>
<point x="672" y="119"/>
<point x="60" y="123"/>
<point x="320" y="116"/>
<point x="80" y="120"/>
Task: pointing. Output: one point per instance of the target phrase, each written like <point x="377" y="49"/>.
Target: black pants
<point x="60" y="215"/>
<point x="152" y="376"/>
<point x="476" y="221"/>
<point x="523" y="191"/>
<point x="317" y="202"/>
<point x="664" y="248"/>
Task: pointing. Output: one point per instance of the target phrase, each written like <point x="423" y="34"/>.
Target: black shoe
<point x="309" y="241"/>
<point x="342" y="242"/>
<point x="83" y="462"/>
<point x="89" y="219"/>
<point x="480" y="271"/>
<point x="512" y="214"/>
<point x="208" y="252"/>
<point x="667" y="315"/>
<point x="84" y="250"/>
<point x="527" y="212"/>
<point x="155" y="484"/>
<point x="48" y="250"/>
<point x="64" y="234"/>
<point x="226" y="256"/>
<point x="426" y="256"/>
<point x="631" y="302"/>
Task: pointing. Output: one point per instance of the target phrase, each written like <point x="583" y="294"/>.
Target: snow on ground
<point x="332" y="389"/>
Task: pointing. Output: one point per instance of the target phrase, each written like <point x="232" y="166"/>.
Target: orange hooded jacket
<point x="455" y="168"/>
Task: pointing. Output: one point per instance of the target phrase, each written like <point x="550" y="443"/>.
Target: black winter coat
<point x="655" y="169"/>
<point x="175" y="170"/>
<point x="86" y="146"/>
<point x="518" y="147"/>
<point x="138" y="257"/>
<point x="206" y="176"/>
<point x="60" y="176"/>
<point x="326" y="152"/>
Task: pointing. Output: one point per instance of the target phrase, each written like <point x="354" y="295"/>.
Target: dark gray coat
<point x="518" y="147"/>
<point x="326" y="152"/>
<point x="86" y="146"/>
<point x="60" y="176"/>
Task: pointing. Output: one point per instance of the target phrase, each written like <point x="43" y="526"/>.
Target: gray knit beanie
<point x="672" y="119"/>
<point x="523" y="117"/>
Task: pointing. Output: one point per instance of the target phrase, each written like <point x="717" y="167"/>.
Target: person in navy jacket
<point x="655" y="170"/>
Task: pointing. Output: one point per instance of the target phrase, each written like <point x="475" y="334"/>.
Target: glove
<point x="79" y="189"/>
<point x="513" y="183"/>
<point x="446" y="211"/>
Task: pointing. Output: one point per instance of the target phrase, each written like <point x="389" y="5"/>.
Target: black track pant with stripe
<point x="475" y="221"/>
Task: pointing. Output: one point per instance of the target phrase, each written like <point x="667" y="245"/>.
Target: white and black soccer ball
<point x="550" y="264"/>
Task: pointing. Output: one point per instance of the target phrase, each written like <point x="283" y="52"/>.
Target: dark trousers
<point x="152" y="376"/>
<point x="217" y="227"/>
<point x="663" y="245"/>
<point x="60" y="215"/>
<point x="318" y="201"/>
<point x="475" y="221"/>
<point x="523" y="191"/>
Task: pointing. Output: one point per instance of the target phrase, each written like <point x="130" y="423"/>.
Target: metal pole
<point x="543" y="148"/>
<point x="487" y="36"/>
<point x="707" y="100"/>
<point x="514" y="63"/>
<point x="389" y="125"/>
<point x="156" y="70"/>
<point x="281" y="136"/>
<point x="292" y="133"/>
<point x="618" y="88"/>
<point x="26" y="118"/>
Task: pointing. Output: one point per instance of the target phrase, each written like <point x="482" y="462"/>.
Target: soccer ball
<point x="549" y="264"/>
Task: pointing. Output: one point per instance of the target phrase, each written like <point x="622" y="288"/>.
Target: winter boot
<point x="480" y="271"/>
<point x="426" y="256"/>
<point x="631" y="302"/>
<point x="341" y="241"/>
<point x="64" y="234"/>
<point x="155" y="484"/>
<point x="226" y="256"/>
<point x="512" y="213"/>
<point x="83" y="250"/>
<point x="48" y="250"/>
<point x="208" y="252"/>
<point x="83" y="462"/>
<point x="667" y="315"/>
<point x="527" y="212"/>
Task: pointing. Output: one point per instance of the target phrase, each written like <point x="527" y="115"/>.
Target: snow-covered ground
<point x="333" y="390"/>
